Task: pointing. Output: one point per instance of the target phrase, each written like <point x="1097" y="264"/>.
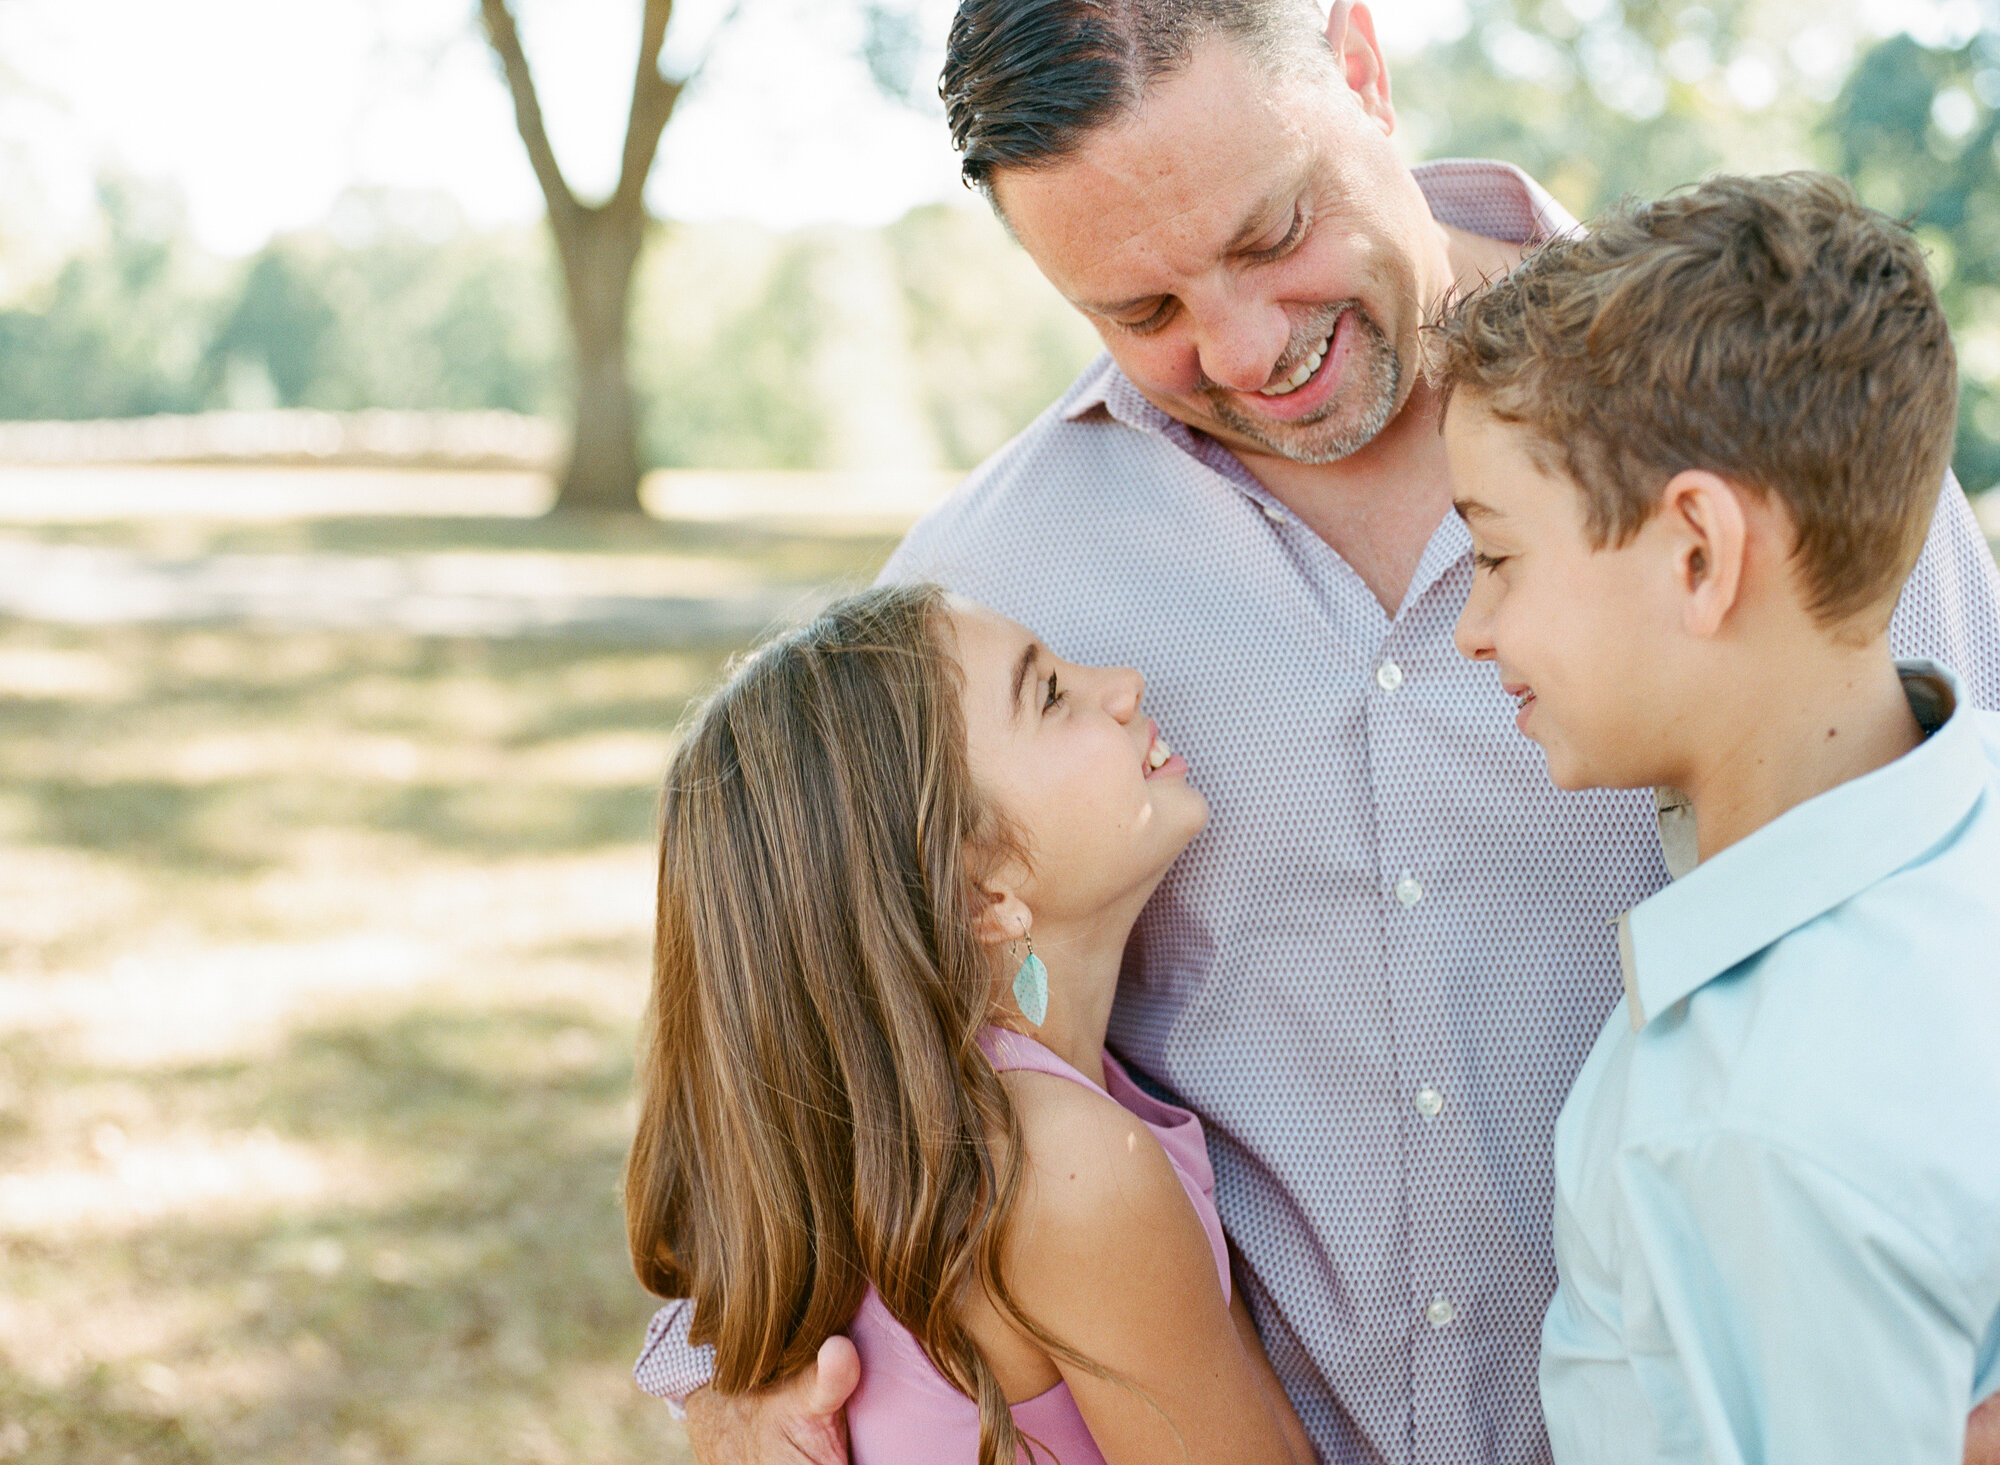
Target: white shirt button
<point x="1440" y="1314"/>
<point x="1409" y="890"/>
<point x="1430" y="1103"/>
<point x="1388" y="676"/>
<point x="1275" y="514"/>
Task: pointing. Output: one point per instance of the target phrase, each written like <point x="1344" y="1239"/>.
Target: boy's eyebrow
<point x="1022" y="667"/>
<point x="1469" y="509"/>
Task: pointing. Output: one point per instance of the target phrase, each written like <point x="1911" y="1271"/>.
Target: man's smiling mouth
<point x="1307" y="367"/>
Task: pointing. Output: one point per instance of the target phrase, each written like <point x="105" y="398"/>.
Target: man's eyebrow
<point x="1022" y="667"/>
<point x="1255" y="222"/>
<point x="1259" y="218"/>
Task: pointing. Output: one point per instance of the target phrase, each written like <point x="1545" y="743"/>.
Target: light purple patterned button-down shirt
<point x="1376" y="972"/>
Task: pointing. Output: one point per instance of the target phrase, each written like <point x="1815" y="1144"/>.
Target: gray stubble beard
<point x="1376" y="384"/>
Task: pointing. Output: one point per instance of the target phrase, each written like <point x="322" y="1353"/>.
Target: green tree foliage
<point x="380" y="314"/>
<point x="1918" y="130"/>
<point x="1603" y="98"/>
<point x="120" y="330"/>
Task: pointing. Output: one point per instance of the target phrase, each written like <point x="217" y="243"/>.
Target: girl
<point x="901" y="853"/>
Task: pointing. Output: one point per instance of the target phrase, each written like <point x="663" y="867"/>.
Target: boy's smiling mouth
<point x="1524" y="698"/>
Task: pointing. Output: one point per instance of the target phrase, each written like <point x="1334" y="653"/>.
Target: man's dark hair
<point x="1771" y="330"/>
<point x="1025" y="81"/>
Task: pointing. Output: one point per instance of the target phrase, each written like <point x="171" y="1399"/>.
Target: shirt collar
<point x="1477" y="195"/>
<point x="1809" y="859"/>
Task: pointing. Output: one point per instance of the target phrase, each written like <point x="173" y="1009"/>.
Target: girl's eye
<point x="1056" y="695"/>
<point x="1488" y="561"/>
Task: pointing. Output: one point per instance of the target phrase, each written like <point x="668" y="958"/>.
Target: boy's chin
<point x="1573" y="774"/>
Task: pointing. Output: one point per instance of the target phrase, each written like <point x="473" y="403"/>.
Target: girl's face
<point x="1080" y="773"/>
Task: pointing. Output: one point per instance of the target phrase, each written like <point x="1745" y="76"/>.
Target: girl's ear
<point x="1710" y="531"/>
<point x="1004" y="916"/>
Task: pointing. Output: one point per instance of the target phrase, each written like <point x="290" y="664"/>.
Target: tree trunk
<point x="599" y="249"/>
<point x="599" y="261"/>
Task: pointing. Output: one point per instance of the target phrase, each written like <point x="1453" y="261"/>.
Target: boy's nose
<point x="1471" y="635"/>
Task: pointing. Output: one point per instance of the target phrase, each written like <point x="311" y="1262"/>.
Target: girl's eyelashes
<point x="1055" y="695"/>
<point x="1488" y="561"/>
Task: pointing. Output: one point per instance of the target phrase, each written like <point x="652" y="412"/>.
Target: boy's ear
<point x="1709" y="536"/>
<point x="1004" y="916"/>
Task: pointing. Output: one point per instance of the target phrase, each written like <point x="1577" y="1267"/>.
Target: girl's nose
<point x="1125" y="691"/>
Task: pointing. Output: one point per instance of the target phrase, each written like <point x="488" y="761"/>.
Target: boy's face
<point x="1583" y="637"/>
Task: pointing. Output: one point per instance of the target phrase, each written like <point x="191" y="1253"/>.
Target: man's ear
<point x="1003" y="916"/>
<point x="1350" y="31"/>
<point x="1709" y="538"/>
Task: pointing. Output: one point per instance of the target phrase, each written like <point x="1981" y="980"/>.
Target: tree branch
<point x="653" y="98"/>
<point x="654" y="95"/>
<point x="506" y="41"/>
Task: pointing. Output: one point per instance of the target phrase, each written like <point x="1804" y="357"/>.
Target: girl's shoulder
<point x="1092" y="1170"/>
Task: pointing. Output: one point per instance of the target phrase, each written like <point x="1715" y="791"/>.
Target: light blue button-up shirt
<point x="1777" y="1222"/>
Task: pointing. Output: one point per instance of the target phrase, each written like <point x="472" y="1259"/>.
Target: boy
<point x="1697" y="451"/>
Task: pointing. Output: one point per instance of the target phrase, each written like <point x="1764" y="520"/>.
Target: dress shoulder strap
<point x="1017" y="1053"/>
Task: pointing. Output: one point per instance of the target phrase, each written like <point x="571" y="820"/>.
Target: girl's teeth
<point x="1159" y="754"/>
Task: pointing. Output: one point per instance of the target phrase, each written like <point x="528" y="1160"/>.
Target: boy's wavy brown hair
<point x="1770" y="330"/>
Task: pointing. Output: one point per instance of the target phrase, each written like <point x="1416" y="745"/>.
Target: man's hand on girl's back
<point x="802" y="1421"/>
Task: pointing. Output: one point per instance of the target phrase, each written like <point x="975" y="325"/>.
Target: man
<point x="1376" y="974"/>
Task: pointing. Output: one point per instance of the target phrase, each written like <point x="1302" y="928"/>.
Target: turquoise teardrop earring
<point x="1031" y="985"/>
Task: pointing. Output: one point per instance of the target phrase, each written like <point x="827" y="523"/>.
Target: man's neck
<point x="1814" y="723"/>
<point x="1379" y="507"/>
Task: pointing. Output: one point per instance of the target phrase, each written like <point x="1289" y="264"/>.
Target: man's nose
<point x="1241" y="344"/>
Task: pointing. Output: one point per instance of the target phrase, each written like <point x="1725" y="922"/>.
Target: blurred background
<point x="403" y="412"/>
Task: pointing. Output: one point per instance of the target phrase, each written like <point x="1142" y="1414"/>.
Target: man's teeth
<point x="1159" y="753"/>
<point x="1304" y="374"/>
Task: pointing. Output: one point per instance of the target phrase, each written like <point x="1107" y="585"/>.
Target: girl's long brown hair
<point x="815" y="1111"/>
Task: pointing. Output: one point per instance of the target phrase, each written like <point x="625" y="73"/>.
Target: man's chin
<point x="1339" y="429"/>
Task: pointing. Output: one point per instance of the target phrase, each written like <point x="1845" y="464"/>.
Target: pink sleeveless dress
<point x="906" y="1412"/>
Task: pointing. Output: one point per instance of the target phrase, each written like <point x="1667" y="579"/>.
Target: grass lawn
<point x="321" y="952"/>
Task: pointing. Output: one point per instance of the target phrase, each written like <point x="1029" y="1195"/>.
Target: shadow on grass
<point x="83" y="1423"/>
<point x="238" y="827"/>
<point x="488" y="1302"/>
<point x="783" y="555"/>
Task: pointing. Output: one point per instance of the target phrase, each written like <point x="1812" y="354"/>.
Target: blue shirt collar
<point x="1809" y="859"/>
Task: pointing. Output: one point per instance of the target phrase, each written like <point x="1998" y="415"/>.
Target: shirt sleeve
<point x="669" y="1366"/>
<point x="1950" y="607"/>
<point x="1777" y="1315"/>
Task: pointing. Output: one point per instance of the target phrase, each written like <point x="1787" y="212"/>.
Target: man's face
<point x="1584" y="637"/>
<point x="1252" y="251"/>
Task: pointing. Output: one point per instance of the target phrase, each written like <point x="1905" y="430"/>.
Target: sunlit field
<point x="323" y="934"/>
